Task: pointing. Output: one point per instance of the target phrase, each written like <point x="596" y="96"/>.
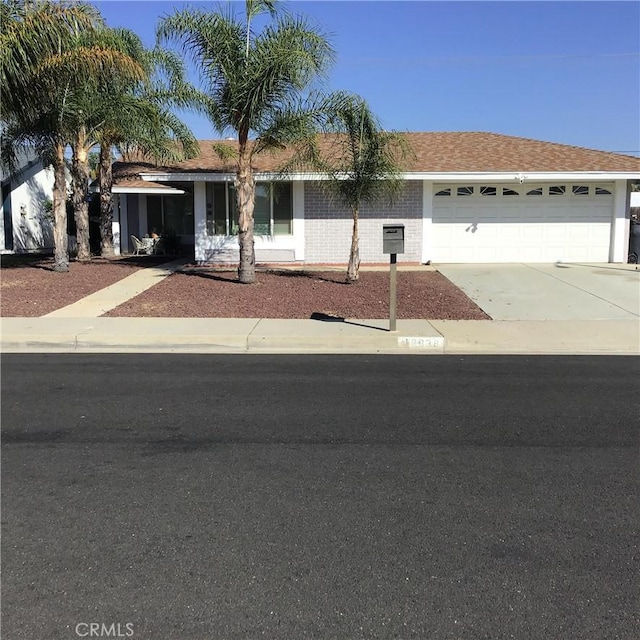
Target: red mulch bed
<point x="209" y="293"/>
<point x="29" y="287"/>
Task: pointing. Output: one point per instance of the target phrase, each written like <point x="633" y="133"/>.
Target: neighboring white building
<point x="26" y="214"/>
<point x="468" y="197"/>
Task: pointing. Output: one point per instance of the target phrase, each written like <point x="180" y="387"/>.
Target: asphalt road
<point x="289" y="497"/>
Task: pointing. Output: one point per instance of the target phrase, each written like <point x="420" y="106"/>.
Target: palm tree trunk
<point x="80" y="187"/>
<point x="354" y="255"/>
<point x="60" y="239"/>
<point x="105" y="178"/>
<point x="245" y="188"/>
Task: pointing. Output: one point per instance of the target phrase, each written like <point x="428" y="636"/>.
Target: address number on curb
<point x="421" y="342"/>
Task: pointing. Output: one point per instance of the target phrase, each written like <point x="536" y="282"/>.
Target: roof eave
<point x="437" y="176"/>
<point x="520" y="176"/>
<point x="151" y="190"/>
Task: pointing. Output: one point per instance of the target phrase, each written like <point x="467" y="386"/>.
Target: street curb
<point x="215" y="335"/>
<point x="225" y="344"/>
<point x="246" y="335"/>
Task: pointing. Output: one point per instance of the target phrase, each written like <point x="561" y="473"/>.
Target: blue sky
<point x="564" y="72"/>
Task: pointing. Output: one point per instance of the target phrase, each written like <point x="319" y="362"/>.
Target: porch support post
<point x="200" y="220"/>
<point x="298" y="219"/>
<point x="115" y="225"/>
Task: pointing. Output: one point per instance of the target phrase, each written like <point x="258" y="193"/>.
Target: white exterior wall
<point x="329" y="226"/>
<point x="620" y="223"/>
<point x="120" y="205"/>
<point x="427" y="221"/>
<point x="32" y="226"/>
<point x="322" y="227"/>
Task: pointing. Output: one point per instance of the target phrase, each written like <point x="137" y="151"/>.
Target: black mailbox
<point x="392" y="238"/>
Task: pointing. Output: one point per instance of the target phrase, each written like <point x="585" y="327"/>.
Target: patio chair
<point x="139" y="246"/>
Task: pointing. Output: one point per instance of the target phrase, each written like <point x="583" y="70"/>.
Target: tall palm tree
<point x="92" y="105"/>
<point x="32" y="35"/>
<point x="45" y="60"/>
<point x="362" y="163"/>
<point x="137" y="116"/>
<point x="255" y="81"/>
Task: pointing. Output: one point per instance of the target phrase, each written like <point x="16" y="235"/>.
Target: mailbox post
<point x="392" y="243"/>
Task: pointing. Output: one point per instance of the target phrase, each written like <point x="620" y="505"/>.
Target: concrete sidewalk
<point x="217" y="335"/>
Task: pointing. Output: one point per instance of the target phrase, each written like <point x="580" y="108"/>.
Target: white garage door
<point x="522" y="222"/>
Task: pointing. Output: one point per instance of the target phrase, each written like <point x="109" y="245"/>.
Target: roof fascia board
<point x="502" y="176"/>
<point x="187" y="177"/>
<point x="525" y="176"/>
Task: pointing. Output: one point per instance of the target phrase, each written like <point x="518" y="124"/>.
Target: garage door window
<point x="498" y="191"/>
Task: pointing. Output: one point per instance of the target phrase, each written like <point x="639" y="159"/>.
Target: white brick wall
<point x="328" y="226"/>
<point x="322" y="230"/>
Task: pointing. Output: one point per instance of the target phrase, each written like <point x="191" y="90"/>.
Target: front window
<point x="272" y="213"/>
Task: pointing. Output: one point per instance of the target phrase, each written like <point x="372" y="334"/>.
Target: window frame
<point x="230" y="206"/>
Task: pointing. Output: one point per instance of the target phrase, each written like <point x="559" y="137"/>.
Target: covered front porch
<point x="151" y="211"/>
<point x="202" y="216"/>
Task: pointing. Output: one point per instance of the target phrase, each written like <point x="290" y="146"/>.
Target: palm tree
<point x="255" y="83"/>
<point x="362" y="162"/>
<point x="32" y="35"/>
<point x="46" y="59"/>
<point x="136" y="116"/>
<point x="91" y="100"/>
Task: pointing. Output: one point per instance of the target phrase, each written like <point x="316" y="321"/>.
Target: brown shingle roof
<point x="436" y="152"/>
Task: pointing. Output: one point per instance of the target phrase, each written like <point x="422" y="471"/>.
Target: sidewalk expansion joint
<point x="77" y="336"/>
<point x="255" y="326"/>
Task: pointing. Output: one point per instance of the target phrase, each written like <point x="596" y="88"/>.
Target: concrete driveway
<point x="561" y="291"/>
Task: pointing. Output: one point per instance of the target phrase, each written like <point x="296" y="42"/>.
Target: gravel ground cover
<point x="29" y="287"/>
<point x="209" y="293"/>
